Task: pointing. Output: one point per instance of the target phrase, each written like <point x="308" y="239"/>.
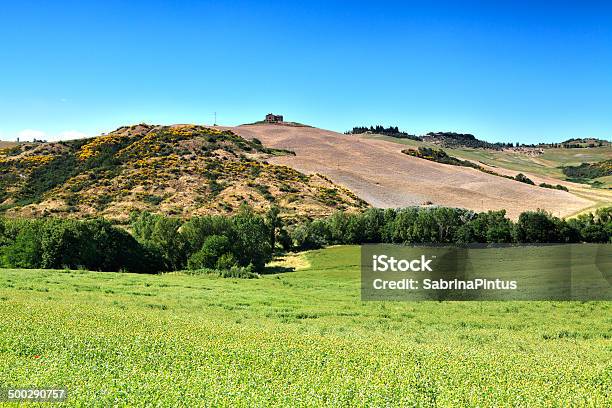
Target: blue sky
<point x="505" y="72"/>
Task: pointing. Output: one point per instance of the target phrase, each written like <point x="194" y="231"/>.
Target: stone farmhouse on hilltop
<point x="272" y="118"/>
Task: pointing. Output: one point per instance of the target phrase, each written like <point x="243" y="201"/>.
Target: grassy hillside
<point x="548" y="164"/>
<point x="589" y="172"/>
<point x="180" y="170"/>
<point x="300" y="338"/>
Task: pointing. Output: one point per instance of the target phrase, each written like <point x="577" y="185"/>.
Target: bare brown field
<point x="4" y="144"/>
<point x="378" y="172"/>
<point x="597" y="197"/>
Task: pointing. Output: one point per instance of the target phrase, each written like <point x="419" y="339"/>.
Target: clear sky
<point x="513" y="72"/>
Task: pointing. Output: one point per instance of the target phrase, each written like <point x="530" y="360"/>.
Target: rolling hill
<point x="189" y="170"/>
<point x="375" y="169"/>
<point x="543" y="168"/>
<point x="180" y="170"/>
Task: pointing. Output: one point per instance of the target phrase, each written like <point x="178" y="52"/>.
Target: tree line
<point x="589" y="170"/>
<point x="392" y="131"/>
<point x="441" y="225"/>
<point x="242" y="244"/>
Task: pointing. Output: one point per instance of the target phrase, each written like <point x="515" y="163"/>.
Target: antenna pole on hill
<point x="215" y="122"/>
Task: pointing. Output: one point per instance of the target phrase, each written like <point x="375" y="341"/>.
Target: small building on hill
<point x="272" y="118"/>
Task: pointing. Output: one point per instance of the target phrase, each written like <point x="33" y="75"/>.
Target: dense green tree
<point x="595" y="233"/>
<point x="213" y="249"/>
<point x="197" y="229"/>
<point x="142" y="224"/>
<point x="373" y="224"/>
<point x="275" y="224"/>
<point x="108" y="248"/>
<point x="593" y="227"/>
<point x="387" y="229"/>
<point x="489" y="227"/>
<point x="25" y="251"/>
<point x="403" y="225"/>
<point x="346" y="228"/>
<point x="311" y="235"/>
<point x="94" y="244"/>
<point x="62" y="243"/>
<point x="170" y="243"/>
<point x="604" y="215"/>
<point x="4" y="240"/>
<point x="284" y="239"/>
<point x="161" y="235"/>
<point x="253" y="243"/>
<point x="498" y="227"/>
<point x="227" y="261"/>
<point x="537" y="227"/>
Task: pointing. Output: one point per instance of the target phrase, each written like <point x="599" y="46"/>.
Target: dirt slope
<point x="379" y="173"/>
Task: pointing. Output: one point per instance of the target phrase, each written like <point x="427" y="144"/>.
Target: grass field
<point x="301" y="338"/>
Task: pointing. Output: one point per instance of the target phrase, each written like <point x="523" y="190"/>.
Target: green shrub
<point x="555" y="187"/>
<point x="243" y="272"/>
<point x="523" y="179"/>
<point x="152" y="199"/>
<point x="588" y="171"/>
<point x="265" y="192"/>
<point x="226" y="261"/>
<point x="48" y="176"/>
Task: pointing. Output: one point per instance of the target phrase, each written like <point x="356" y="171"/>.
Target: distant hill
<point x="178" y="170"/>
<point x="453" y="140"/>
<point x="584" y="142"/>
<point x="444" y="139"/>
<point x="392" y="131"/>
<point x="468" y="140"/>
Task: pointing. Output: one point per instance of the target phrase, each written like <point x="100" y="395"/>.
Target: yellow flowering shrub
<point x="36" y="160"/>
<point x="92" y="149"/>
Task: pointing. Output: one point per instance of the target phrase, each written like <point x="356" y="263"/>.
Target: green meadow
<point x="300" y="338"/>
